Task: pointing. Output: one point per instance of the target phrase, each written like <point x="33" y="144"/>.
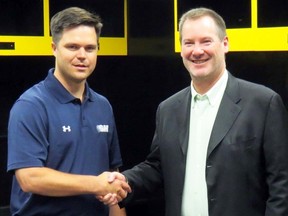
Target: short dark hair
<point x="73" y="17"/>
<point x="197" y="13"/>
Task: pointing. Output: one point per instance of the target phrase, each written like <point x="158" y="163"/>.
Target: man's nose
<point x="81" y="53"/>
<point x="198" y="49"/>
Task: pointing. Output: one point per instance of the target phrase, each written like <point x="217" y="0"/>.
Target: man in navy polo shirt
<point x="62" y="135"/>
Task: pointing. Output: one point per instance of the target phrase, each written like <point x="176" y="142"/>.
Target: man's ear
<point x="226" y="44"/>
<point x="54" y="48"/>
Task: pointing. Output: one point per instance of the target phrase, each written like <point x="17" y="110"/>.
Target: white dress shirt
<point x="203" y="112"/>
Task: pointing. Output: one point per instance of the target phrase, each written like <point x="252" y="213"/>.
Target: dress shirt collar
<point x="214" y="94"/>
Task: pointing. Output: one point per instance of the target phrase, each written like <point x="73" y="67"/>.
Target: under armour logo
<point x="102" y="128"/>
<point x="66" y="129"/>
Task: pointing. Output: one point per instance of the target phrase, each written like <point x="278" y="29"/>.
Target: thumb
<point x="111" y="177"/>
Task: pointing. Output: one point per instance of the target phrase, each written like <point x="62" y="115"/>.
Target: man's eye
<point x="72" y="47"/>
<point x="207" y="43"/>
<point x="90" y="49"/>
<point x="188" y="43"/>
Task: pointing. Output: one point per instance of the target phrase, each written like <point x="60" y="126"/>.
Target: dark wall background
<point x="135" y="84"/>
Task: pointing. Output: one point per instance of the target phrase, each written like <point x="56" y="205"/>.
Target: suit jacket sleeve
<point x="275" y="149"/>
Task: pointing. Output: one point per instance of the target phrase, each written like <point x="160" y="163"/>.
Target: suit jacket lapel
<point x="183" y="112"/>
<point x="227" y="113"/>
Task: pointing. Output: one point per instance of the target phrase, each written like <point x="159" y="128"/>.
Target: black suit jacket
<point x="247" y="156"/>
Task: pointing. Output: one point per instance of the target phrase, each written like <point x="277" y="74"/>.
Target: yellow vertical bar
<point x="176" y="33"/>
<point x="125" y="19"/>
<point x="254" y="14"/>
<point x="175" y="16"/>
<point x="46" y="18"/>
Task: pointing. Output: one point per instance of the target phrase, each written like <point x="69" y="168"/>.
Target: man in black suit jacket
<point x="245" y="145"/>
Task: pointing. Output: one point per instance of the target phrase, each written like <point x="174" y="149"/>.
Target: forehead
<point x="201" y="25"/>
<point x="82" y="33"/>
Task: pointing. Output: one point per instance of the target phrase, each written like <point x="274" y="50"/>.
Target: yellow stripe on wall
<point x="247" y="39"/>
<point x="41" y="45"/>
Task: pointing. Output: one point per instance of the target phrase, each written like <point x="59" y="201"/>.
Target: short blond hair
<point x="197" y="13"/>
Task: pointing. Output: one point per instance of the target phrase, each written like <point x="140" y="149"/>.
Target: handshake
<point x="114" y="188"/>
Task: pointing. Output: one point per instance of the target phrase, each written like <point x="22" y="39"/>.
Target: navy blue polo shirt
<point x="48" y="127"/>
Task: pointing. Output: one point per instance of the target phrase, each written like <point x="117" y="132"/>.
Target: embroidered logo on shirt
<point x="66" y="128"/>
<point x="102" y="128"/>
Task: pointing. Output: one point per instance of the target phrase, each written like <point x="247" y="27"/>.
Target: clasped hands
<point x="115" y="188"/>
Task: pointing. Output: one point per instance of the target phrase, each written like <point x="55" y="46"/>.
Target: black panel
<point x="17" y="75"/>
<point x="272" y="13"/>
<point x="7" y="45"/>
<point x="236" y="13"/>
<point x="21" y="17"/>
<point x="6" y="178"/>
<point x="150" y="18"/>
<point x="111" y="12"/>
<point x="151" y="27"/>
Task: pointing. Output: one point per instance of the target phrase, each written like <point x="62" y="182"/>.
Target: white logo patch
<point x="66" y="128"/>
<point x="102" y="128"/>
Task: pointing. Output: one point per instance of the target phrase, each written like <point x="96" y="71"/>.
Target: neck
<point x="202" y="87"/>
<point x="74" y="88"/>
<point x="204" y="84"/>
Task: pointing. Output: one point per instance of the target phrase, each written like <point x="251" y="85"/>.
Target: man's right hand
<point x="116" y="188"/>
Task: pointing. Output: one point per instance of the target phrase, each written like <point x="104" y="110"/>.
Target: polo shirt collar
<point x="59" y="91"/>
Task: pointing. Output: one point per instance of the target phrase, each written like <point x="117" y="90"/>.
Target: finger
<point x="119" y="198"/>
<point x="105" y="198"/>
<point x="100" y="198"/>
<point x="112" y="200"/>
<point x="126" y="187"/>
<point x="121" y="194"/>
<point x="109" y="198"/>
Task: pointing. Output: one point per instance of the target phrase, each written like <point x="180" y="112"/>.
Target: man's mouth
<point x="199" y="61"/>
<point x="80" y="66"/>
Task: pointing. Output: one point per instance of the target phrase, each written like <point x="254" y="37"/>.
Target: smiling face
<point x="202" y="51"/>
<point x="76" y="55"/>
